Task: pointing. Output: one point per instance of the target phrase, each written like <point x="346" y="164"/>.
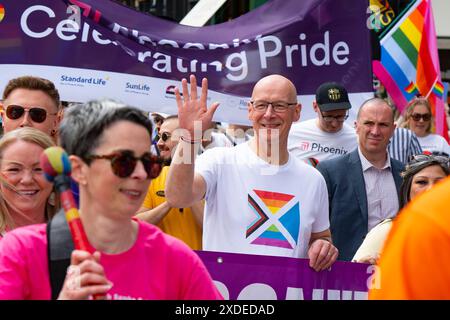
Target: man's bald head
<point x="375" y="102"/>
<point x="276" y="81"/>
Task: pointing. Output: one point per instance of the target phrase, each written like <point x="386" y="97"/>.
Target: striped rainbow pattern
<point x="289" y="221"/>
<point x="274" y="201"/>
<point x="412" y="88"/>
<point x="405" y="56"/>
<point x="273" y="237"/>
<point x="409" y="54"/>
<point x="438" y="89"/>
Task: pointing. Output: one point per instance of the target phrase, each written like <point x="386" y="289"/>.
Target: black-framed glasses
<point x="165" y="136"/>
<point x="37" y="114"/>
<point x="331" y="118"/>
<point x="277" y="106"/>
<point x="124" y="162"/>
<point x="419" y="159"/>
<point x="418" y="116"/>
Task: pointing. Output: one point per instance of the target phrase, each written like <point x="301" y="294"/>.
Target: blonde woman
<point x="24" y="191"/>
<point x="419" y="119"/>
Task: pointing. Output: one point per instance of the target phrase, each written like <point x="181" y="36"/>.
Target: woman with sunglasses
<point x="109" y="146"/>
<point x="24" y="191"/>
<point x="421" y="173"/>
<point x="419" y="120"/>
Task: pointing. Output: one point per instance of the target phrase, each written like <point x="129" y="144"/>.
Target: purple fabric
<point x="344" y="281"/>
<point x="287" y="21"/>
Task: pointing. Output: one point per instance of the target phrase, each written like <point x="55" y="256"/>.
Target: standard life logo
<point x="82" y="81"/>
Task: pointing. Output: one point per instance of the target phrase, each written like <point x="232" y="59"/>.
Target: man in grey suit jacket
<point x="363" y="185"/>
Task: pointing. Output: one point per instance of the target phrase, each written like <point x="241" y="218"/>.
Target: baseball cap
<point x="332" y="96"/>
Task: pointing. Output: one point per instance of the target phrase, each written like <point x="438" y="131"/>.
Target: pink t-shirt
<point x="158" y="266"/>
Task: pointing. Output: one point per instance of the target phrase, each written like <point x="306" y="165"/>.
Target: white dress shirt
<point x="382" y="195"/>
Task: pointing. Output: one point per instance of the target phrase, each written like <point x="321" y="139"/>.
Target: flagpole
<point x="434" y="83"/>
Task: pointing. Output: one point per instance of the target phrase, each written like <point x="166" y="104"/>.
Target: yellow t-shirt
<point x="415" y="262"/>
<point x="179" y="223"/>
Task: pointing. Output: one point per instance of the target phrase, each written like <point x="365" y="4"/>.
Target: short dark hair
<point x="33" y="83"/>
<point x="84" y="124"/>
<point x="378" y="101"/>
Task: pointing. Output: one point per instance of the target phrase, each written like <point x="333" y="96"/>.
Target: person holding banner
<point x="259" y="198"/>
<point x="24" y="191"/>
<point x="31" y="102"/>
<point x="109" y="148"/>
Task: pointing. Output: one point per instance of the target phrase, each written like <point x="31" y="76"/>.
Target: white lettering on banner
<point x="322" y="53"/>
<point x="67" y="25"/>
<point x="263" y="53"/>
<point x="262" y="291"/>
<point x="24" y="21"/>
<point x="243" y="66"/>
<point x="339" y="49"/>
<point x="72" y="27"/>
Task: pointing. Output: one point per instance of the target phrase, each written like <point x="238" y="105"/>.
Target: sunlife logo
<point x="137" y="86"/>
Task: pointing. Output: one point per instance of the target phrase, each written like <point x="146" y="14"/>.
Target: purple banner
<point x="95" y="48"/>
<point x="241" y="277"/>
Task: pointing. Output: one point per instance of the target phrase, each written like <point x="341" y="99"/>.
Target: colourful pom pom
<point x="54" y="161"/>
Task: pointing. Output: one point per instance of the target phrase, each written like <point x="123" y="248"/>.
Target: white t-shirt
<point x="307" y="140"/>
<point x="434" y="142"/>
<point x="253" y="207"/>
<point x="218" y="139"/>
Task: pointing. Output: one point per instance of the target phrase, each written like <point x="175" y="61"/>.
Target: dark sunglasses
<point x="38" y="115"/>
<point x="124" y="162"/>
<point x="418" y="116"/>
<point x="165" y="136"/>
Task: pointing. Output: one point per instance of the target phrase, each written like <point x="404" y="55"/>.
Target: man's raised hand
<point x="193" y="111"/>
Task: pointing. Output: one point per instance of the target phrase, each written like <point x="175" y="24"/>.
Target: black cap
<point x="332" y="96"/>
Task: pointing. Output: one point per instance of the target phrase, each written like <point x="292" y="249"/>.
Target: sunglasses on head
<point x="124" y="162"/>
<point x="418" y="116"/>
<point x="38" y="115"/>
<point x="422" y="158"/>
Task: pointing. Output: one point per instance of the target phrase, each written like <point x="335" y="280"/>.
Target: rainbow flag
<point x="412" y="88"/>
<point x="438" y="89"/>
<point x="409" y="55"/>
